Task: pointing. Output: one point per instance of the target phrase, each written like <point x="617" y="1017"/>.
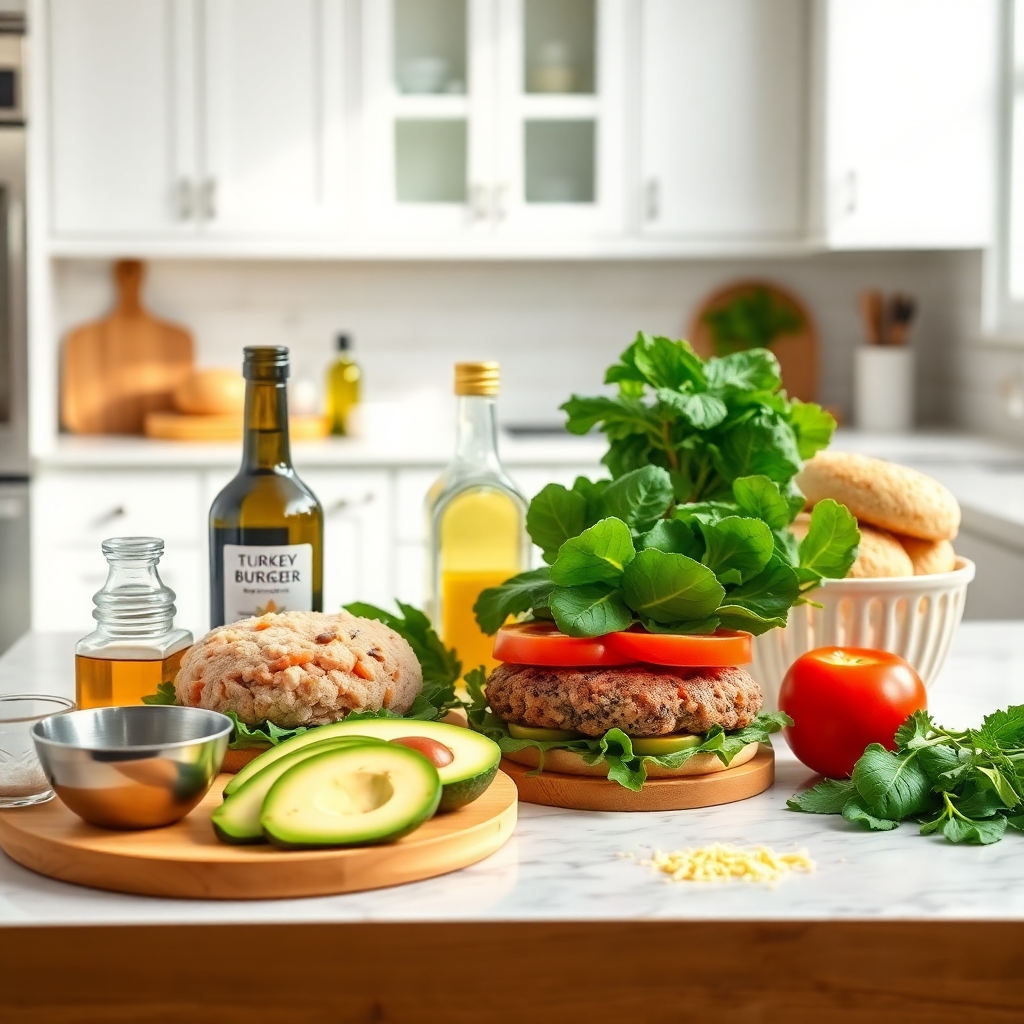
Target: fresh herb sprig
<point x="623" y="551"/>
<point x="615" y="749"/>
<point x="691" y="534"/>
<point x="707" y="422"/>
<point x="967" y="785"/>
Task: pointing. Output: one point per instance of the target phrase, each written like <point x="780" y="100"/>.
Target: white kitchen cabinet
<point x="907" y="120"/>
<point x="121" y="127"/>
<point x="273" y="125"/>
<point x="722" y="115"/>
<point x="468" y="132"/>
<point x="358" y="535"/>
<point x="178" y="118"/>
<point x="561" y="98"/>
<point x="998" y="588"/>
<point x="74" y="512"/>
<point x="425" y="116"/>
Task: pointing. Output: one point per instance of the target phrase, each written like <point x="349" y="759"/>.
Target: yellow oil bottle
<point x="476" y="520"/>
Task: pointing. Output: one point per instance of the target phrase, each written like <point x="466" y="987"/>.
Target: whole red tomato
<point x="843" y="698"/>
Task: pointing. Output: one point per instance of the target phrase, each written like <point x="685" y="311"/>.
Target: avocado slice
<point x="351" y="796"/>
<point x="535" y="732"/>
<point x="658" y="745"/>
<point x="473" y="767"/>
<point x="237" y="820"/>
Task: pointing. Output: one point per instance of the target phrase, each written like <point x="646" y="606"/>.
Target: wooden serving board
<point x="588" y="793"/>
<point x="119" y="368"/>
<point x="797" y="352"/>
<point x="180" y="426"/>
<point x="187" y="860"/>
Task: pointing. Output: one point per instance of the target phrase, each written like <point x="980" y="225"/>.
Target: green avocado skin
<point x="479" y="755"/>
<point x="237" y="819"/>
<point x="457" y="794"/>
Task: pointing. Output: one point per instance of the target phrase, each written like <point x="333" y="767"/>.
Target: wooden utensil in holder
<point x="117" y="369"/>
<point x="884" y="367"/>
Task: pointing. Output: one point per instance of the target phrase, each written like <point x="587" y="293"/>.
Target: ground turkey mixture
<point x="641" y="700"/>
<point x="300" y="668"/>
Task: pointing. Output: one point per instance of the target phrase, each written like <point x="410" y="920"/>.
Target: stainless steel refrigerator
<point x="15" y="577"/>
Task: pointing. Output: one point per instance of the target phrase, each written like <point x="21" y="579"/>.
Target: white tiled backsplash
<point x="554" y="326"/>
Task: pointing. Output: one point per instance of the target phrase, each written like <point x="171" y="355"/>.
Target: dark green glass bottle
<point x="266" y="526"/>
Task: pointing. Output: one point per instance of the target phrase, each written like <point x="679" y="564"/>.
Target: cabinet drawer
<point x="72" y="509"/>
<point x="410" y="499"/>
<point x="357" y="535"/>
<point x="65" y="579"/>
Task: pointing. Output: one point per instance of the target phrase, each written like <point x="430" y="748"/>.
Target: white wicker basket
<point x="912" y="616"/>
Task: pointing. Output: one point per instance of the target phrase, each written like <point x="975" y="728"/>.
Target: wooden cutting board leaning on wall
<point x="117" y="369"/>
<point x="762" y="306"/>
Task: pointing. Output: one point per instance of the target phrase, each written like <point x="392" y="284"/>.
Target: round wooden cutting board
<point x="187" y="860"/>
<point x="797" y="352"/>
<point x="588" y="793"/>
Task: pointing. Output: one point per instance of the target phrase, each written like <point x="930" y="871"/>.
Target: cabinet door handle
<point x="110" y="516"/>
<point x="850" y="205"/>
<point x="186" y="200"/>
<point x="478" y="202"/>
<point x="344" y="504"/>
<point x="209" y="192"/>
<point x="500" y="201"/>
<point x="652" y="200"/>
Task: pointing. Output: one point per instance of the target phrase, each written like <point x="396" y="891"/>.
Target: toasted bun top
<point x="883" y="494"/>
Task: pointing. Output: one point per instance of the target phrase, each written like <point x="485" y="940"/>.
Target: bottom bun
<point x="568" y="762"/>
<point x="236" y="760"/>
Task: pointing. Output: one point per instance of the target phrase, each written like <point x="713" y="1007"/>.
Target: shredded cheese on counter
<point x="722" y="863"/>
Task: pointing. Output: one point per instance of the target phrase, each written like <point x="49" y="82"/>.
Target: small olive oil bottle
<point x="135" y="646"/>
<point x="476" y="519"/>
<point x="343" y="379"/>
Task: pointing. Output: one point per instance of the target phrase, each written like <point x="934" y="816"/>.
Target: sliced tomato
<point x="540" y="643"/>
<point x="721" y="649"/>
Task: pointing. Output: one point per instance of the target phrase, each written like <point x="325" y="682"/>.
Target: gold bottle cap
<point x="477" y="378"/>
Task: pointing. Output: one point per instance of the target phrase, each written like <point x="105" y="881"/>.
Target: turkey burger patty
<point x="641" y="700"/>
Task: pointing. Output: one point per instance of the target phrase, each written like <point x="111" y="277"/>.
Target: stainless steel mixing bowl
<point x="132" y="767"/>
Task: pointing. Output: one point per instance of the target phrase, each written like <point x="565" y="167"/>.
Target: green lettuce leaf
<point x="555" y="515"/>
<point x="598" y="555"/>
<point x="525" y="592"/>
<point x="615" y="749"/>
<point x="667" y="587"/>
<point x="590" y="610"/>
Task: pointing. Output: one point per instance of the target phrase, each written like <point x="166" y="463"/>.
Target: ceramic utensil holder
<point x="884" y="388"/>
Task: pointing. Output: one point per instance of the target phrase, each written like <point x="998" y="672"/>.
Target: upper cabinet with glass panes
<point x="488" y="116"/>
<point x="543" y="128"/>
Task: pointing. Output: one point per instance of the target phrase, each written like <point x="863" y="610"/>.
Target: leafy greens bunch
<point x="696" y="545"/>
<point x="615" y="748"/>
<point x="967" y="785"/>
<point x="441" y="670"/>
<point x="707" y="422"/>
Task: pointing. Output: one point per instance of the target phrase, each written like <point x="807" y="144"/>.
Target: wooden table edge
<point x="463" y="972"/>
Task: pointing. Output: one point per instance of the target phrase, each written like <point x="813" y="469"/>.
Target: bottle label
<point x="267" y="578"/>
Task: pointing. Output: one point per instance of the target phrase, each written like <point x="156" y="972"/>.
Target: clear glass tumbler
<point x="22" y="780"/>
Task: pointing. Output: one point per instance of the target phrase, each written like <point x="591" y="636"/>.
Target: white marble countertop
<point x="987" y="476"/>
<point x="426" y="448"/>
<point x="433" y="446"/>
<point x="564" y="866"/>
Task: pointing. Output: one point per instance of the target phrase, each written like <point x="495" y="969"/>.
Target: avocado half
<point x="473" y="767"/>
<point x="351" y="795"/>
<point x="237" y="819"/>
